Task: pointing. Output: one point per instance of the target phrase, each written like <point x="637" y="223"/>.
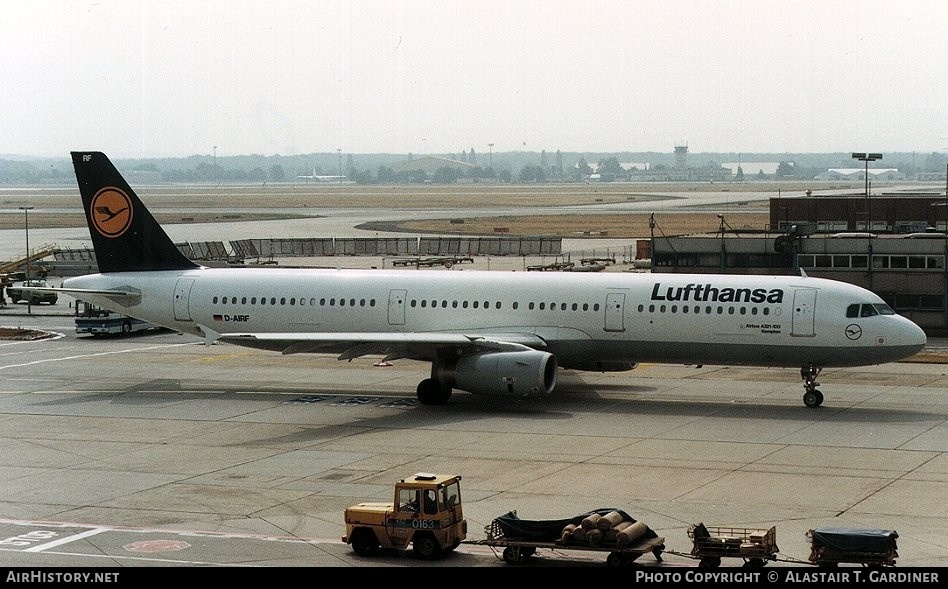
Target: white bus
<point x="99" y="321"/>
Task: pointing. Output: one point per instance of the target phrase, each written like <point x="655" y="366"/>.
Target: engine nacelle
<point x="609" y="366"/>
<point x="522" y="374"/>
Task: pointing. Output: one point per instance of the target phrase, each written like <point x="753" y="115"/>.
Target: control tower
<point x="681" y="156"/>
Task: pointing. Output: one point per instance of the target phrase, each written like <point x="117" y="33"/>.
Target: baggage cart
<point x="872" y="548"/>
<point x="521" y="539"/>
<point x="712" y="543"/>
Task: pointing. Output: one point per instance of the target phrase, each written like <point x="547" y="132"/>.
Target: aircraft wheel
<point x="813" y="398"/>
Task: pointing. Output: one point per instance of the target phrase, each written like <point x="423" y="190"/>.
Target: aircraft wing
<point x="415" y="346"/>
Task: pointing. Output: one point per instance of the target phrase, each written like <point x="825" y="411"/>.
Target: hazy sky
<point x="159" y="78"/>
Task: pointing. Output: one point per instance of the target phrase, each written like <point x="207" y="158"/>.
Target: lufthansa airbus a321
<point x="488" y="333"/>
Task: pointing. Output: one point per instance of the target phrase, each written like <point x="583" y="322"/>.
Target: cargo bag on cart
<point x="868" y="546"/>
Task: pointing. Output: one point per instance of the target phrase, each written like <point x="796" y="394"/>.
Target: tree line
<point x="505" y="167"/>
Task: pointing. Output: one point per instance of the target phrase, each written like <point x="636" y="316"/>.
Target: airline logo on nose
<point x="111" y="212"/>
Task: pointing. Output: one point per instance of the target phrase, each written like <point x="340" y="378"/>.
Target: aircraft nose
<point x="912" y="335"/>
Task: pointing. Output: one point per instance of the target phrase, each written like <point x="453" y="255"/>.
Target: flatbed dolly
<point x="519" y="550"/>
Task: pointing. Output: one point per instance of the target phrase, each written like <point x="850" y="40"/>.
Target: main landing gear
<point x="812" y="397"/>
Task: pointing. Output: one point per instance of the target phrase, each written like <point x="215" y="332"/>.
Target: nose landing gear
<point x="812" y="397"/>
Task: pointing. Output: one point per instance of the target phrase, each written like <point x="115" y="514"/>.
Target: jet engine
<point x="522" y="373"/>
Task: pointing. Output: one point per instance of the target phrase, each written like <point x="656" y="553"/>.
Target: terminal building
<point x="895" y="246"/>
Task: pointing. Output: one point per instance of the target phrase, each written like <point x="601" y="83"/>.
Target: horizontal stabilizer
<point x="210" y="336"/>
<point x="128" y="292"/>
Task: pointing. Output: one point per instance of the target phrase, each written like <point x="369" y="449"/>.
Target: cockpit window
<point x="868" y="310"/>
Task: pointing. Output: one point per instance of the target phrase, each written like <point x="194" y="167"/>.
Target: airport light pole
<point x="490" y="155"/>
<point x="26" y="225"/>
<point x="867" y="157"/>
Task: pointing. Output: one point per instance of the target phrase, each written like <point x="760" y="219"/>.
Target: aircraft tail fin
<point x="125" y="236"/>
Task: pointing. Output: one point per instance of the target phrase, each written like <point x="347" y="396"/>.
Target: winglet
<point x="210" y="336"/>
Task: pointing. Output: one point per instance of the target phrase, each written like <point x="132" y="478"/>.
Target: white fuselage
<point x="583" y="318"/>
